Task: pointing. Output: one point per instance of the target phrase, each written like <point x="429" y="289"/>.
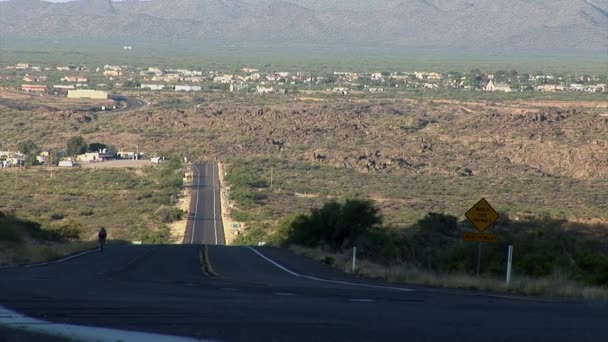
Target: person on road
<point x="102" y="237"/>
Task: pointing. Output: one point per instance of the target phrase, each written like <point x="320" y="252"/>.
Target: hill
<point x="496" y="25"/>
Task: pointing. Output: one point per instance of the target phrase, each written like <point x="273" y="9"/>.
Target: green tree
<point x="337" y="225"/>
<point x="30" y="149"/>
<point x="94" y="147"/>
<point x="76" y="145"/>
<point x="27" y="147"/>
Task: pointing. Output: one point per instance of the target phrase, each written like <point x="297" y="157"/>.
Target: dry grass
<point x="34" y="252"/>
<point x="554" y="287"/>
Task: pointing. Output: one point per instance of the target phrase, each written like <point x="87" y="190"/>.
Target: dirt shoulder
<point x="228" y="222"/>
<point x="117" y="164"/>
<point x="178" y="228"/>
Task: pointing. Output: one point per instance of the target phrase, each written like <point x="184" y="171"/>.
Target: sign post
<point x="482" y="216"/>
<point x="478" y="258"/>
<point x="354" y="258"/>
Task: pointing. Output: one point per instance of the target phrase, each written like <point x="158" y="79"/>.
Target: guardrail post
<point x="509" y="264"/>
<point x="354" y="258"/>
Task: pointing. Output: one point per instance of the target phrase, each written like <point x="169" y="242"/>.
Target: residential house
<point x="153" y="86"/>
<point x="341" y="90"/>
<point x="75" y="79"/>
<point x="234" y="87"/>
<point x="101" y="155"/>
<point x="187" y="88"/>
<point x="34" y="88"/>
<point x="112" y="71"/>
<point x="377" y="76"/>
<point x="550" y="88"/>
<point x="87" y="94"/>
<point x="577" y="87"/>
<point x="157" y="160"/>
<point x="223" y="79"/>
<point x="423" y="75"/>
<point x="36" y="79"/>
<point x="273" y="77"/>
<point x="68" y="162"/>
<point x="497" y="87"/>
<point x="63" y="88"/>
<point x="264" y="90"/>
<point x="127" y="155"/>
<point x="43" y="157"/>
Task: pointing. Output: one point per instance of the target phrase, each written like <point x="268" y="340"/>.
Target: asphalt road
<point x="130" y="103"/>
<point x="205" y="220"/>
<point x="268" y="294"/>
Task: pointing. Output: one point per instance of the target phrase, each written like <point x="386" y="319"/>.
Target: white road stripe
<point x="362" y="300"/>
<point x="198" y="191"/>
<point x="56" y="261"/>
<point x="14" y="320"/>
<point x="275" y="263"/>
<point x="214" y="210"/>
<point x="295" y="274"/>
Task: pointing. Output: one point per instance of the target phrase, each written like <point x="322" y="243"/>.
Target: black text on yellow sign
<point x="479" y="237"/>
<point x="482" y="215"/>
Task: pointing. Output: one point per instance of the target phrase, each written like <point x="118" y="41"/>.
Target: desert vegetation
<point x="69" y="205"/>
<point x="542" y="165"/>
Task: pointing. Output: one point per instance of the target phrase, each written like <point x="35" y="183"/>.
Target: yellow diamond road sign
<point x="482" y="215"/>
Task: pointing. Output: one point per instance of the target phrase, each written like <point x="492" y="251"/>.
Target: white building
<point x="376" y="76"/>
<point x="223" y="79"/>
<point x="264" y="90"/>
<point x="187" y="88"/>
<point x="153" y="86"/>
<point x="66" y="163"/>
<point x="497" y="87"/>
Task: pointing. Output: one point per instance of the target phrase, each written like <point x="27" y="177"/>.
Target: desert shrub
<point x="255" y="233"/>
<point x="169" y="214"/>
<point x="57" y="216"/>
<point x="160" y="236"/>
<point x="336" y="224"/>
<point x="87" y="212"/>
<point x="594" y="269"/>
<point x="10" y="233"/>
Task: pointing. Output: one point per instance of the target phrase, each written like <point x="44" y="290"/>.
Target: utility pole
<point x="51" y="164"/>
<point x="271" y="176"/>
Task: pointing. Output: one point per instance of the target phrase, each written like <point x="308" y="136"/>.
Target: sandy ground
<point x="178" y="228"/>
<point x="229" y="233"/>
<point x="59" y="102"/>
<point x="117" y="164"/>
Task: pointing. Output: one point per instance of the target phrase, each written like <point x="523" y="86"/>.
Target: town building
<point x="75" y="79"/>
<point x="187" y="88"/>
<point x="153" y="86"/>
<point x="34" y="88"/>
<point x="497" y="87"/>
<point x="87" y="94"/>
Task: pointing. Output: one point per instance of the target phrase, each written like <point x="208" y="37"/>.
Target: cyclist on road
<point x="102" y="237"/>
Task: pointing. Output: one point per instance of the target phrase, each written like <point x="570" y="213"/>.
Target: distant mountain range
<point x="495" y="25"/>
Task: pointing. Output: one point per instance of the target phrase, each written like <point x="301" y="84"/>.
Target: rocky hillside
<point x="484" y="24"/>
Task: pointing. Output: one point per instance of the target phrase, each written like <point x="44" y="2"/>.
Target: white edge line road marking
<point x="63" y="259"/>
<point x="14" y="320"/>
<point x="214" y="210"/>
<point x="327" y="280"/>
<point x="198" y="191"/>
<point x="363" y="300"/>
